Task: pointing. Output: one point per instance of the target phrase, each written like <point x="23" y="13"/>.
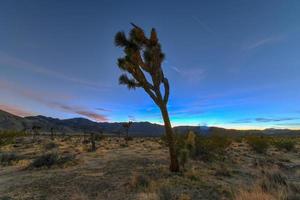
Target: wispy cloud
<point x="263" y="42"/>
<point x="289" y="124"/>
<point x="203" y="25"/>
<point x="46" y="99"/>
<point x="103" y="109"/>
<point x="30" y="94"/>
<point x="16" y="110"/>
<point x="207" y="104"/>
<point x="78" y="110"/>
<point x="264" y="120"/>
<point x="190" y="74"/>
<point x="7" y="60"/>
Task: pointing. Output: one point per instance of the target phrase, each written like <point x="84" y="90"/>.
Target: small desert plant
<point x="50" y="159"/>
<point x="165" y="193"/>
<point x="184" y="197"/>
<point x="46" y="160"/>
<point x="123" y="145"/>
<point x="238" y="139"/>
<point x="139" y="181"/>
<point x="284" y="144"/>
<point x="255" y="194"/>
<point x="258" y="143"/>
<point x="93" y="143"/>
<point x="273" y="181"/>
<point x="223" y="171"/>
<point x="99" y="137"/>
<point x="7" y="158"/>
<point x="183" y="157"/>
<point x="52" y="133"/>
<point x="8" y="137"/>
<point x="127" y="126"/>
<point x="50" y="145"/>
<point x="211" y="147"/>
<point x="129" y="138"/>
<point x="191" y="143"/>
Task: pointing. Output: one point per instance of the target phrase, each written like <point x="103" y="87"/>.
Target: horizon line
<point x="161" y="124"/>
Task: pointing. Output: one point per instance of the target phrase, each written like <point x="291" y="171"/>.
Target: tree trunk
<point x="174" y="166"/>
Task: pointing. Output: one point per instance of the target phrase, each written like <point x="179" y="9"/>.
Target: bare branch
<point x="152" y="95"/>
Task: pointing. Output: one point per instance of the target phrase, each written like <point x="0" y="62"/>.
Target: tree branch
<point x="167" y="90"/>
<point x="152" y="95"/>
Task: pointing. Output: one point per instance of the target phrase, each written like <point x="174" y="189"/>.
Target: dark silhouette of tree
<point x="143" y="56"/>
<point x="36" y="130"/>
<point x="126" y="126"/>
<point x="93" y="141"/>
<point x="52" y="133"/>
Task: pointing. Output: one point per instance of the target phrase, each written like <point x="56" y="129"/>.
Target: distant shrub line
<point x="8" y="137"/>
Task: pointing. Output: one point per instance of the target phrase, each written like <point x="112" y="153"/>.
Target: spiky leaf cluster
<point x="142" y="55"/>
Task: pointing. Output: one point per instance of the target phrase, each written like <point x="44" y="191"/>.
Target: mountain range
<point x="9" y="121"/>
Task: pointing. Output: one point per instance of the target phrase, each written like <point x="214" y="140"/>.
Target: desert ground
<point x="65" y="168"/>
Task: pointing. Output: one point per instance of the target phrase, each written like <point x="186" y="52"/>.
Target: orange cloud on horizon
<point x="16" y="110"/>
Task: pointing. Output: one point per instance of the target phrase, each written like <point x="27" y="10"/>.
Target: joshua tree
<point x="126" y="126"/>
<point x="93" y="141"/>
<point x="143" y="58"/>
<point x="52" y="133"/>
<point x="35" y="129"/>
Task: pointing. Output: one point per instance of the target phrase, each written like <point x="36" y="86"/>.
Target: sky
<point x="232" y="64"/>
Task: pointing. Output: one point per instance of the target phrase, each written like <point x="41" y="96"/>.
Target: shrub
<point x="255" y="194"/>
<point x="183" y="157"/>
<point x="165" y="193"/>
<point x="50" y="159"/>
<point x="46" y="160"/>
<point x="128" y="138"/>
<point x="50" y="145"/>
<point x="99" y="137"/>
<point x="202" y="147"/>
<point x="223" y="171"/>
<point x="274" y="181"/>
<point x="258" y="143"/>
<point x="139" y="181"/>
<point x="123" y="145"/>
<point x="191" y="143"/>
<point x="8" y="137"/>
<point x="286" y="144"/>
<point x="211" y="147"/>
<point x="7" y="158"/>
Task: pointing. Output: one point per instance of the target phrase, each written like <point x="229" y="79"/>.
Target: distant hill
<point x="9" y="121"/>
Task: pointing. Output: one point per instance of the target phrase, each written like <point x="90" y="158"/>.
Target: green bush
<point x="286" y="144"/>
<point x="211" y="147"/>
<point x="201" y="147"/>
<point x="259" y="144"/>
<point x="7" y="158"/>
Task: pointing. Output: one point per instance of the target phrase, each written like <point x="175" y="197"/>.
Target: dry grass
<point x="140" y="171"/>
<point x="255" y="194"/>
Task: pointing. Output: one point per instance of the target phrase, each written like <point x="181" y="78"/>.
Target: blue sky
<point x="233" y="64"/>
